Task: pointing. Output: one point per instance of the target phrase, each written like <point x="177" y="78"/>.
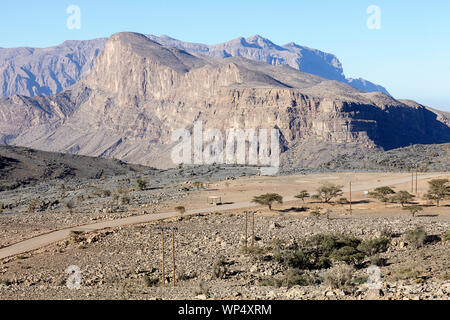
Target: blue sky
<point x="409" y="55"/>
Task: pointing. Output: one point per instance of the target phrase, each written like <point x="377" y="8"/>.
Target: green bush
<point x="141" y="184"/>
<point x="295" y="277"/>
<point x="219" y="268"/>
<point x="348" y="254"/>
<point x="339" y="276"/>
<point x="446" y="236"/>
<point x="292" y="277"/>
<point x="416" y="237"/>
<point x="150" y="282"/>
<point x="373" y="246"/>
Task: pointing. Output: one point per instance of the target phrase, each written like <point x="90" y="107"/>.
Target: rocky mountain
<point x="45" y="71"/>
<point x="257" y="48"/>
<point x="34" y="71"/>
<point x="140" y="91"/>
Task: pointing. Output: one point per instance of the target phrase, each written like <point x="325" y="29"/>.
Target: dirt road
<point x="49" y="238"/>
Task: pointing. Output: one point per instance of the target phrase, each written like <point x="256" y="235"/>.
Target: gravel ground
<point x="122" y="263"/>
<point x="100" y="199"/>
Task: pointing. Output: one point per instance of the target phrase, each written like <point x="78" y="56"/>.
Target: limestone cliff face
<point x="139" y="92"/>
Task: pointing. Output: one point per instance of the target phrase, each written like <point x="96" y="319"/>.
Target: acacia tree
<point x="141" y="184"/>
<point x="268" y="199"/>
<point x="303" y="195"/>
<point x="403" y="197"/>
<point x="180" y="209"/>
<point x="382" y="194"/>
<point x="328" y="191"/>
<point x="439" y="190"/>
<point x="413" y="209"/>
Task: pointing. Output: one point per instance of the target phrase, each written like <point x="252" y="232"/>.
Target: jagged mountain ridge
<point x="257" y="48"/>
<point x="46" y="71"/>
<point x="139" y="92"/>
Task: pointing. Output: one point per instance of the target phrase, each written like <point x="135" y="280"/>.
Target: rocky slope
<point x="21" y="166"/>
<point x="45" y="71"/>
<point x="422" y="157"/>
<point x="35" y="71"/>
<point x="139" y="92"/>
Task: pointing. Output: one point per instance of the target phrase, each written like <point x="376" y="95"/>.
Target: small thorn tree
<point x="439" y="189"/>
<point x="303" y="195"/>
<point x="328" y="191"/>
<point x="382" y="194"/>
<point x="413" y="209"/>
<point x="403" y="197"/>
<point x="268" y="199"/>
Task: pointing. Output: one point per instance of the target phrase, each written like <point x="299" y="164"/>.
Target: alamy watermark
<point x="74" y="19"/>
<point x="374" y="20"/>
<point x="374" y="279"/>
<point x="210" y="146"/>
<point x="74" y="280"/>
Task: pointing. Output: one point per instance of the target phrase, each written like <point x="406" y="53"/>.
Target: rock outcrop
<point x="139" y="92"/>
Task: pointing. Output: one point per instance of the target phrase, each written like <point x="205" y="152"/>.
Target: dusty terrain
<point x="125" y="262"/>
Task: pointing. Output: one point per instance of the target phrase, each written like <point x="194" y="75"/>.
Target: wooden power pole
<point x="417" y="193"/>
<point x="253" y="229"/>
<point x="173" y="256"/>
<point x="350" y="197"/>
<point x="163" y="276"/>
<point x="246" y="228"/>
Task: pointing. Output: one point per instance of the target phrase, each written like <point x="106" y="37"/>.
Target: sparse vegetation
<point x="446" y="236"/>
<point x="374" y="246"/>
<point x="180" y="209"/>
<point x="201" y="289"/>
<point x="77" y="236"/>
<point x="315" y="212"/>
<point x="150" y="282"/>
<point x="220" y="268"/>
<point x="292" y="277"/>
<point x="403" y="197"/>
<point x="328" y="192"/>
<point x="439" y="189"/>
<point x="268" y="199"/>
<point x="414" y="209"/>
<point x="416" y="237"/>
<point x="382" y="194"/>
<point x="70" y="205"/>
<point x="340" y="276"/>
<point x="141" y="184"/>
<point x="36" y="205"/>
<point x="303" y="195"/>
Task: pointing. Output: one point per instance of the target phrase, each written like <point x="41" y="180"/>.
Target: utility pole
<point x="163" y="256"/>
<point x="163" y="275"/>
<point x="246" y="228"/>
<point x="173" y="256"/>
<point x="253" y="227"/>
<point x="417" y="193"/>
<point x="412" y="180"/>
<point x="350" y="197"/>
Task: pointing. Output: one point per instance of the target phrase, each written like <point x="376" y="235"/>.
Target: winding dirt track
<point x="55" y="236"/>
